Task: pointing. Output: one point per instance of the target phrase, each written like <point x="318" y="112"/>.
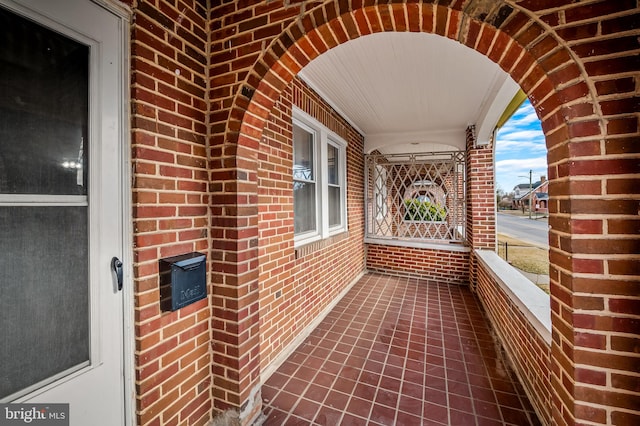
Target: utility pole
<point x="530" y="192"/>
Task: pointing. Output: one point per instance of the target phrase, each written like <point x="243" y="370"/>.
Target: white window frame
<point x="315" y="180"/>
<point x="335" y="141"/>
<point x="323" y="138"/>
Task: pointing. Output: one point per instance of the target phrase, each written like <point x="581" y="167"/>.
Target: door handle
<point x="116" y="267"/>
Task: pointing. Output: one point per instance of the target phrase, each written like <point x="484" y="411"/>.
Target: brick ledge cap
<point x="532" y="301"/>
<point x="418" y="244"/>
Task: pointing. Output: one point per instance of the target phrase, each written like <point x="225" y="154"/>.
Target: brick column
<point x="234" y="275"/>
<point x="594" y="269"/>
<point x="481" y="200"/>
<point x="169" y="202"/>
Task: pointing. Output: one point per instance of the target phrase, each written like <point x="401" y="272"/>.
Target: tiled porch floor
<point x="398" y="351"/>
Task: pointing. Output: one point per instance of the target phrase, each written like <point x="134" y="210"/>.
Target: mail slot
<point x="182" y="280"/>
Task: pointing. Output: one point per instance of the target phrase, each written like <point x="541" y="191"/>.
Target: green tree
<point x="424" y="211"/>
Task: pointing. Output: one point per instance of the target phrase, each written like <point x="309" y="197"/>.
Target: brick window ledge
<point x="306" y="249"/>
<point x="534" y="303"/>
<point x="423" y="244"/>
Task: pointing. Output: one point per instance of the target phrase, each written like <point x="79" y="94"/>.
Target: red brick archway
<point x="514" y="39"/>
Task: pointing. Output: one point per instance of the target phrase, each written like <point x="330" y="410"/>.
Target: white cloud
<point x="520" y="122"/>
<point x="520" y="147"/>
<point x="512" y="148"/>
<point x="512" y="172"/>
<point x="519" y="164"/>
<point x="519" y="140"/>
<point x="519" y="134"/>
<point x="525" y="109"/>
<point x="525" y="117"/>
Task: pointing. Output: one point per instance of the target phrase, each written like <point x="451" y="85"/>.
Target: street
<point x="532" y="231"/>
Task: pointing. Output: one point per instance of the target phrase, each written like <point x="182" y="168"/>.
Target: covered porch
<point x="230" y="140"/>
<point x="398" y="351"/>
<point x="405" y="190"/>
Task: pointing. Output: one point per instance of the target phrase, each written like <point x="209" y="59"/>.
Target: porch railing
<point x="416" y="197"/>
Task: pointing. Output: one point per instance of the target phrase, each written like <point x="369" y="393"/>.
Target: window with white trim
<point x="319" y="180"/>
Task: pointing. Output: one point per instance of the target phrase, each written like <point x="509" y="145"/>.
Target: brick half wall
<point x="434" y="264"/>
<point x="525" y="340"/>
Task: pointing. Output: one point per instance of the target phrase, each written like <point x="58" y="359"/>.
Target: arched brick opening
<point x="522" y="46"/>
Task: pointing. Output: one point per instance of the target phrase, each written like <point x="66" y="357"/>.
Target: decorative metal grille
<point x="416" y="197"/>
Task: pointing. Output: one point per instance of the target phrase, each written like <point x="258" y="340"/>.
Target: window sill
<point x="534" y="303"/>
<point x="306" y="248"/>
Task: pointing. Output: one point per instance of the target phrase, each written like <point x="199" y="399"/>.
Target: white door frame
<point x="123" y="12"/>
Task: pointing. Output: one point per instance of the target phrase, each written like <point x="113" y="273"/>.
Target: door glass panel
<point x="43" y="294"/>
<point x="44" y="275"/>
<point x="43" y="110"/>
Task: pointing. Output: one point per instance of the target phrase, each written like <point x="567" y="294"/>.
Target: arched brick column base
<point x="558" y="83"/>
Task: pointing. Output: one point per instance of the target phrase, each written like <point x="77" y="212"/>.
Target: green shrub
<point x="423" y="211"/>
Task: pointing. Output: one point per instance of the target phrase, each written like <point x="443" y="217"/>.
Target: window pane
<point x="304" y="207"/>
<point x="44" y="293"/>
<point x="334" y="206"/>
<point x="302" y="154"/>
<point x="332" y="165"/>
<point x="43" y="110"/>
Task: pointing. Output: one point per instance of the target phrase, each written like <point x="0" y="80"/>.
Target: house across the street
<point x="537" y="193"/>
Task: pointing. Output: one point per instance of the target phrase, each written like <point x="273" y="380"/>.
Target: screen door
<point x="60" y="207"/>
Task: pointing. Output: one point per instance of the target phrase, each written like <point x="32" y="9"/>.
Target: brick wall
<point x="296" y="285"/>
<point x="594" y="171"/>
<point x="433" y="264"/>
<point x="219" y="75"/>
<point x="481" y="201"/>
<point x="168" y="111"/>
<point x="529" y="354"/>
<point x="577" y="63"/>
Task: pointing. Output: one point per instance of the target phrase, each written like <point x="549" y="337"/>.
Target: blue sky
<point x="520" y="147"/>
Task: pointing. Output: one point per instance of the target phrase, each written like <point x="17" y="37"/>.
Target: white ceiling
<point x="409" y="92"/>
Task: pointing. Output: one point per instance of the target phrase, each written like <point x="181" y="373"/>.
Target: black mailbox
<point x="182" y="280"/>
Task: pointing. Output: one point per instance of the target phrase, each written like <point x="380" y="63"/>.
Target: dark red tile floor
<point x="398" y="351"/>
